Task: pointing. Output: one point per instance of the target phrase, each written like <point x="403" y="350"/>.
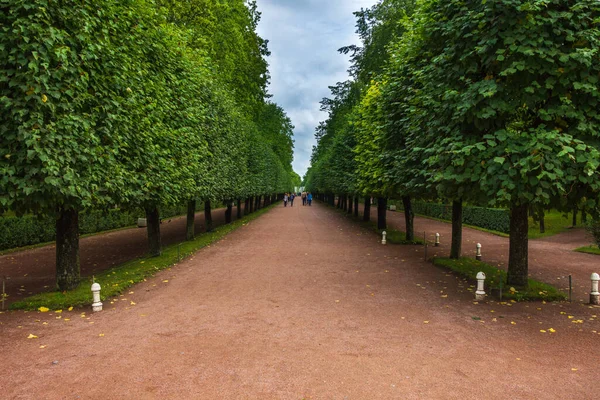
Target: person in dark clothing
<point x="292" y="196"/>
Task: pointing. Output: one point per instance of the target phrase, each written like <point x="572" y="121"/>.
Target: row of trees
<point x="489" y="102"/>
<point x="135" y="103"/>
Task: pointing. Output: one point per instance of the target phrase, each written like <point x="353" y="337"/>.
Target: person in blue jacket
<point x="309" y="198"/>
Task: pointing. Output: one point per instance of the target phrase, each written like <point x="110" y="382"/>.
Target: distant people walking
<point x="309" y="198"/>
<point x="303" y="194"/>
<point x="292" y="196"/>
<point x="285" y="199"/>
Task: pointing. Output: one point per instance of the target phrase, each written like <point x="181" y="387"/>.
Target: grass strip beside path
<point x="593" y="249"/>
<point x="116" y="280"/>
<point x="468" y="268"/>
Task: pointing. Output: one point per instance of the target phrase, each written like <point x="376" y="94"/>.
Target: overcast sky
<point x="304" y="36"/>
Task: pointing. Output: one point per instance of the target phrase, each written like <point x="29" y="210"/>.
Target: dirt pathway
<point x="551" y="259"/>
<point x="303" y="304"/>
<point x="33" y="271"/>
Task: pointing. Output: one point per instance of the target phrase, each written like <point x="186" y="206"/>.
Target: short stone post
<point x="478" y="255"/>
<point x="594" y="294"/>
<point x="383" y="239"/>
<point x="480" y="292"/>
<point x="97" y="304"/>
<point x="437" y="240"/>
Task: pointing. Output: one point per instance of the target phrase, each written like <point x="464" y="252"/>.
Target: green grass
<point x="555" y="223"/>
<point x="468" y="268"/>
<point x="116" y="280"/>
<point x="592" y="249"/>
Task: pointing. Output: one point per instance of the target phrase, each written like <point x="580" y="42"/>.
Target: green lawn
<point x="495" y="278"/>
<point x="592" y="249"/>
<point x="115" y="280"/>
<point x="555" y="221"/>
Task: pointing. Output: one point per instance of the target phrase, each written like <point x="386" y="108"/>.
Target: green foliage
<point x="593" y="229"/>
<point x="494" y="219"/>
<point x="496" y="278"/>
<point x="116" y="280"/>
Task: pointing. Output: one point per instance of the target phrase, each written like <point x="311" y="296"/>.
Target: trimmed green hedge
<point x="494" y="219"/>
<point x="30" y="230"/>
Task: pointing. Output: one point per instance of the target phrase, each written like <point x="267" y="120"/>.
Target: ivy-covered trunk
<point x="382" y="213"/>
<point x="457" y="217"/>
<point x="409" y="218"/>
<point x="575" y="216"/>
<point x="208" y="216"/>
<point x="153" y="230"/>
<point x="367" y="210"/>
<point x="247" y="206"/>
<point x="239" y="208"/>
<point x="356" y="206"/>
<point x="518" y="251"/>
<point x="191" y="215"/>
<point x="67" y="249"/>
<point x="228" y="212"/>
<point x="542" y="221"/>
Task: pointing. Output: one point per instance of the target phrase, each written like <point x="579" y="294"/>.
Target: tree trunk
<point x="367" y="210"/>
<point x="257" y="205"/>
<point x="191" y="215"/>
<point x="519" y="246"/>
<point x="356" y="206"/>
<point x="228" y="212"/>
<point x="381" y="213"/>
<point x="208" y="216"/>
<point x="583" y="216"/>
<point x="153" y="230"/>
<point x="239" y="208"/>
<point x="247" y="206"/>
<point x="574" y="216"/>
<point x="542" y="222"/>
<point x="350" y="204"/>
<point x="339" y="202"/>
<point x="409" y="218"/>
<point x="251" y="205"/>
<point x="67" y="249"/>
<point x="457" y="217"/>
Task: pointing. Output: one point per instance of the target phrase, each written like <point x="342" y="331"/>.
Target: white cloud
<point x="304" y="36"/>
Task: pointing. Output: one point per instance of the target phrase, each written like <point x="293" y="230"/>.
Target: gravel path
<point x="303" y="304"/>
<point x="33" y="271"/>
<point x="551" y="259"/>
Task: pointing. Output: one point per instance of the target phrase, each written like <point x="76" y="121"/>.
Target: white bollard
<point x="97" y="304"/>
<point x="594" y="294"/>
<point x="480" y="293"/>
<point x="437" y="239"/>
<point x="383" y="240"/>
<point x="478" y="255"/>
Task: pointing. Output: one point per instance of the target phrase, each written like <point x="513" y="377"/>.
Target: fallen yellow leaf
<point x="58" y="311"/>
<point x="165" y="281"/>
<point x="70" y="308"/>
<point x="43" y="309"/>
<point x="32" y="336"/>
<point x="542" y="330"/>
<point x="102" y="334"/>
<point x="43" y="346"/>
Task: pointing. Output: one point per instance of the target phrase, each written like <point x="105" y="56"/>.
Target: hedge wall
<point x="29" y="230"/>
<point x="488" y="218"/>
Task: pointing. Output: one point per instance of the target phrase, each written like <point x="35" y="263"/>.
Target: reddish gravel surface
<point x="33" y="271"/>
<point x="551" y="259"/>
<point x="302" y="303"/>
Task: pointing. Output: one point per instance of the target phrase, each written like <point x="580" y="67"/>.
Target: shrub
<point x="594" y="229"/>
<point x="495" y="219"/>
<point x="30" y="230"/>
